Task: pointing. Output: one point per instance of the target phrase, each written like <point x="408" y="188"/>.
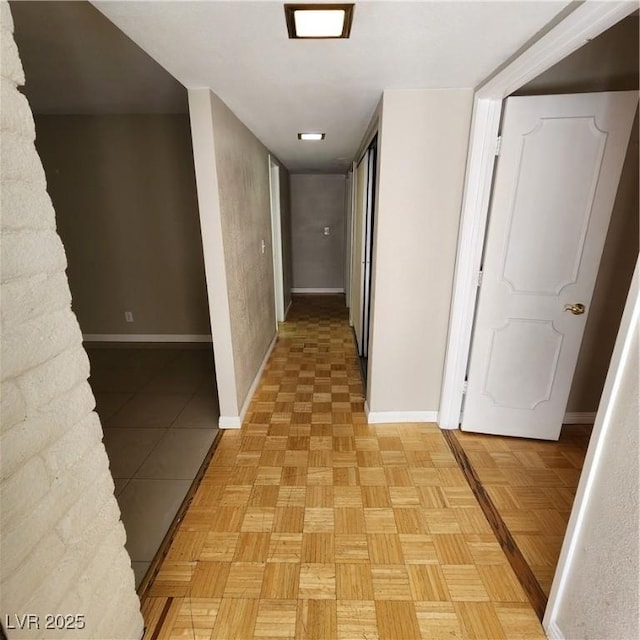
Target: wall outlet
<point x="128" y="316"/>
<point x="327" y="231"/>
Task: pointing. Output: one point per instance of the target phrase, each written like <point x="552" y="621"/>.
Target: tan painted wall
<point x="601" y="595"/>
<point x="422" y="154"/>
<point x="124" y="191"/>
<point x="242" y="163"/>
<point x="318" y="201"/>
<point x="607" y="63"/>
<point x="62" y="542"/>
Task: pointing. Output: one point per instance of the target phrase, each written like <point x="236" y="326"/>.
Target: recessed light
<point x="311" y="136"/>
<point x="318" y="21"/>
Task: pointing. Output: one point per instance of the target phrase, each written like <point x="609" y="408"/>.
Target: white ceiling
<point x="279" y="87"/>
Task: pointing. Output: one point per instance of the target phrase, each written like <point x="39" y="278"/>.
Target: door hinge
<point x="480" y="277"/>
<point x="498" y="145"/>
<point x="465" y="385"/>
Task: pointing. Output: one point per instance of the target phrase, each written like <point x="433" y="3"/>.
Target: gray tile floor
<point x="159" y="411"/>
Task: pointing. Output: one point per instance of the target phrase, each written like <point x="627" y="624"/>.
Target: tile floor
<point x="159" y="410"/>
<point x="309" y="523"/>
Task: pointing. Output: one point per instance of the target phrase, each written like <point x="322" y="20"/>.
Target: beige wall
<point x="242" y="163"/>
<point x="601" y="596"/>
<point x="318" y="201"/>
<point x="607" y="63"/>
<point x="62" y="542"/>
<point x="422" y="154"/>
<point x="124" y="191"/>
<point x="232" y="174"/>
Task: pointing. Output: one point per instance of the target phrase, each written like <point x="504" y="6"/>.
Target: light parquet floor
<point x="309" y="523"/>
<point x="532" y="484"/>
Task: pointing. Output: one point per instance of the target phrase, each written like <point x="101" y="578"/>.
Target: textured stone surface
<point x="62" y="542"/>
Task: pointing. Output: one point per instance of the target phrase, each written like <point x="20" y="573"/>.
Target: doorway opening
<point x="527" y="487"/>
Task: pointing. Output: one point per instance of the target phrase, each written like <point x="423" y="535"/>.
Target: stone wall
<point x="62" y="541"/>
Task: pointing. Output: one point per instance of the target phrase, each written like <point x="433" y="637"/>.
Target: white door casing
<point x="276" y="240"/>
<point x="358" y="266"/>
<point x="555" y="185"/>
<point x="368" y="245"/>
<point x="585" y="21"/>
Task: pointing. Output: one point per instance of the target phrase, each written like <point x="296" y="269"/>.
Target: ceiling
<point x="76" y="61"/>
<point x="276" y="86"/>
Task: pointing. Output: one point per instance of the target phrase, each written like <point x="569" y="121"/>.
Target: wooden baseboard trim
<point x="523" y="572"/>
<point x="161" y="619"/>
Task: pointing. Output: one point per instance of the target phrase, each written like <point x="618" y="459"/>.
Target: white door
<point x="555" y="185"/>
<point x="358" y="265"/>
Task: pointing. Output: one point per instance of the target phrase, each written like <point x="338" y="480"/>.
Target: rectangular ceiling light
<point x="318" y="21"/>
<point x="311" y="136"/>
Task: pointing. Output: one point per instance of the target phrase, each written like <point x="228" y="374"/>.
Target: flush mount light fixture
<point x="311" y="136"/>
<point x="318" y="21"/>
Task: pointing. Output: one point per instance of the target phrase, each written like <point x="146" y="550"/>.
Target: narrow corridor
<point x="309" y="523"/>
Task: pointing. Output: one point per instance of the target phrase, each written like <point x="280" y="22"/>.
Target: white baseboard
<point x="553" y="632"/>
<point x="145" y="337"/>
<point x="286" y="311"/>
<point x="316" y="290"/>
<point x="235" y="422"/>
<point x="229" y="422"/>
<point x="390" y="417"/>
<point x="576" y="417"/>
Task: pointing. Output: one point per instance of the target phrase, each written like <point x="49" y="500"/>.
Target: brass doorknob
<point x="577" y="309"/>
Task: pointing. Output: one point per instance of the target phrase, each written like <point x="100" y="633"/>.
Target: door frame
<point x="276" y="239"/>
<point x="370" y="214"/>
<point x="582" y="23"/>
<point x="358" y="284"/>
<point x="352" y="222"/>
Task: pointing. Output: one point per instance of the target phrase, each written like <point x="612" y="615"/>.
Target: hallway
<point x="309" y="523"/>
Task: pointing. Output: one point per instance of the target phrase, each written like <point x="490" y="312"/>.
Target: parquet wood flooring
<point x="309" y="523"/>
<point x="531" y="484"/>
